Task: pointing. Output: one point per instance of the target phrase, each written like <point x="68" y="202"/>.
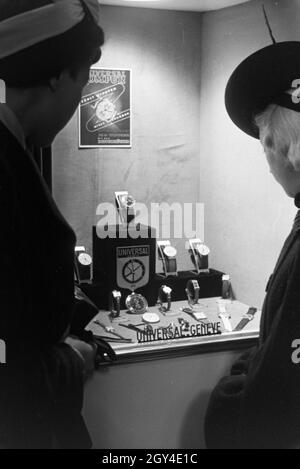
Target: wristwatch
<point x="192" y="291"/>
<point x="125" y="204"/>
<point x="83" y="264"/>
<point x="226" y="322"/>
<point x="164" y="296"/>
<point x="249" y="316"/>
<point x="225" y="317"/>
<point x="170" y="254"/>
<point x="203" y="252"/>
<point x="115" y="303"/>
<point x="136" y="304"/>
<point x="127" y="201"/>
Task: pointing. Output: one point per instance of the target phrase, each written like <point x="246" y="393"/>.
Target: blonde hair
<point x="279" y="130"/>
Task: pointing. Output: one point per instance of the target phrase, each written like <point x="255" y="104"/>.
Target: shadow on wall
<point x="192" y="431"/>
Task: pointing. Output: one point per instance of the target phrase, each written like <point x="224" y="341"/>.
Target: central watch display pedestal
<point x="124" y="259"/>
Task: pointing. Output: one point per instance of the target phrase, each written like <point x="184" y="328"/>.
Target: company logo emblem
<point x="133" y="266"/>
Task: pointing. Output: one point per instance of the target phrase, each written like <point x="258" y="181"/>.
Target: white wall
<point x="247" y="214"/>
<point x="163" y="50"/>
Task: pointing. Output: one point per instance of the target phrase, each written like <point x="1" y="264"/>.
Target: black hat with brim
<point x="263" y="78"/>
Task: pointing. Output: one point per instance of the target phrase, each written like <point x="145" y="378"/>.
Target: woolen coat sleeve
<point x="258" y="406"/>
<point x="37" y="254"/>
<point x="41" y="392"/>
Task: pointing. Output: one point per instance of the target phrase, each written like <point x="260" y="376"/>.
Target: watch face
<point x="136" y="304"/>
<point x="167" y="290"/>
<point x="170" y="251"/>
<point x="116" y="294"/>
<point x="195" y="285"/>
<point x="151" y="318"/>
<point x="106" y="110"/>
<point x="84" y="258"/>
<point x="128" y="201"/>
<point x="203" y="250"/>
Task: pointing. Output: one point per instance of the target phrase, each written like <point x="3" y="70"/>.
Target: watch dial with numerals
<point x="84" y="259"/>
<point x="136" y="303"/>
<point x="170" y="251"/>
<point x="128" y="201"/>
<point x="167" y="290"/>
<point x="203" y="250"/>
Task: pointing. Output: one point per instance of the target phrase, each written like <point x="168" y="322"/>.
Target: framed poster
<point x="105" y="109"/>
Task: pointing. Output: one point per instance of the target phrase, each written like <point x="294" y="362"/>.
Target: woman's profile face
<point x="282" y="170"/>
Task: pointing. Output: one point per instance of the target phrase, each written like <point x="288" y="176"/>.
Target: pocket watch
<point x="136" y="304"/>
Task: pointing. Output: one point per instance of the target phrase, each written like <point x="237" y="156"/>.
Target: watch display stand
<point x="201" y="263"/>
<point x="169" y="262"/>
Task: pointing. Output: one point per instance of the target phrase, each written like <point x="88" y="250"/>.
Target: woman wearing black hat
<point x="258" y="405"/>
<point x="46" y="50"/>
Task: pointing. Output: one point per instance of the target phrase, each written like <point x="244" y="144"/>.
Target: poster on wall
<point x="105" y="109"/>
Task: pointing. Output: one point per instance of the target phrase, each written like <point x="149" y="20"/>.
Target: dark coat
<point x="258" y="405"/>
<point x="41" y="386"/>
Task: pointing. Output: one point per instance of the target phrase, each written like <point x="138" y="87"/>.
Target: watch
<point x="115" y="303"/>
<point x="127" y="201"/>
<point x="226" y="322"/>
<point x="164" y="296"/>
<point x="170" y="254"/>
<point x="225" y="317"/>
<point x="249" y="316"/>
<point x="203" y="252"/>
<point x="125" y="205"/>
<point x="84" y="259"/>
<point x="136" y="304"/>
<point x="192" y="291"/>
<point x="83" y="264"/>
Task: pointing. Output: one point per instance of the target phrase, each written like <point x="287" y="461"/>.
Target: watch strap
<point x="171" y="264"/>
<point x="164" y="297"/>
<point x="193" y="291"/>
<point x="115" y="304"/>
<point x="226" y="322"/>
<point x="202" y="261"/>
<point x="242" y="324"/>
<point x="245" y="320"/>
